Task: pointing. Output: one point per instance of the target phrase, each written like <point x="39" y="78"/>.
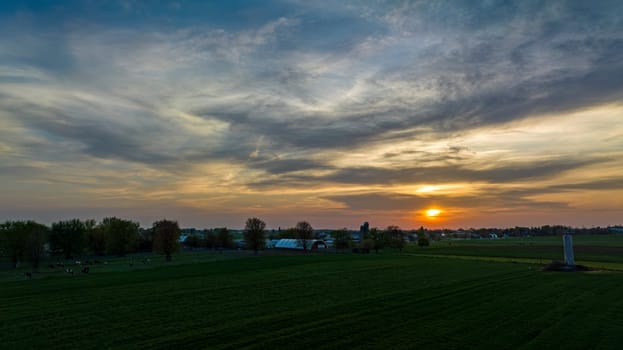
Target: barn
<point x="295" y="244"/>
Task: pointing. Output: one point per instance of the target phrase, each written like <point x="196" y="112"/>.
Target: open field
<point x="597" y="251"/>
<point x="315" y="301"/>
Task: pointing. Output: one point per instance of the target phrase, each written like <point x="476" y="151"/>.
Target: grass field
<point x="341" y="301"/>
<point x="604" y="251"/>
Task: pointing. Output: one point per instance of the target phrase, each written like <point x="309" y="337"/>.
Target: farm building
<point x="290" y="243"/>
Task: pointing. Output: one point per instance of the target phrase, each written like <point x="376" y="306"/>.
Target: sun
<point x="431" y="213"/>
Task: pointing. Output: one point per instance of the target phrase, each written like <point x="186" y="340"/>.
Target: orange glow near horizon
<point x="431" y="213"/>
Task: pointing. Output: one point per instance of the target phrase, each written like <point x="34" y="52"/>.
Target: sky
<point x="495" y="113"/>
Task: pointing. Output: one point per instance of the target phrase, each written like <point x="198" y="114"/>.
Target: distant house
<point x="295" y="244"/>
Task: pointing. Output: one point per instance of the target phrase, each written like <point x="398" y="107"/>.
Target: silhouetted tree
<point x="96" y="238"/>
<point x="423" y="242"/>
<point x="254" y="235"/>
<point x="304" y="233"/>
<point x="210" y="240"/>
<point x="366" y="245"/>
<point x="224" y="238"/>
<point x="341" y="239"/>
<point x="397" y="237"/>
<point x="68" y="237"/>
<point x="121" y="235"/>
<point x="166" y="236"/>
<point x="145" y="240"/>
<point x="13" y="241"/>
<point x="379" y="239"/>
<point x="37" y="237"/>
<point x="23" y="240"/>
<point x="193" y="241"/>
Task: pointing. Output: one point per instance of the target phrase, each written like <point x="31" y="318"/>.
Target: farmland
<point x="604" y="251"/>
<point x="319" y="301"/>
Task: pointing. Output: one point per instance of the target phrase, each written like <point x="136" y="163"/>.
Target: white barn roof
<point x="291" y="243"/>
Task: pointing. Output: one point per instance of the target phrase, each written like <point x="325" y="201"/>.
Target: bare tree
<point x="304" y="234"/>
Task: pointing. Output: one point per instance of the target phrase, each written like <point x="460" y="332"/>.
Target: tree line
<point x="373" y="239"/>
<point x="29" y="241"/>
<point x="255" y="236"/>
<point x="376" y="239"/>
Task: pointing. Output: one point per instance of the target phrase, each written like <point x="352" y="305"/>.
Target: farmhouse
<point x="295" y="244"/>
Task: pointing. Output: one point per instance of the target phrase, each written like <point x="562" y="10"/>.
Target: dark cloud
<point x="605" y="184"/>
<point x="282" y="166"/>
<point x="597" y="185"/>
<point x="380" y="201"/>
<point x="403" y="202"/>
<point x="561" y="91"/>
<point x="560" y="94"/>
<point x="86" y="127"/>
<point x="476" y="45"/>
<point x="21" y="171"/>
<point x="451" y="154"/>
<point x="99" y="138"/>
<point x="434" y="174"/>
<point x="451" y="173"/>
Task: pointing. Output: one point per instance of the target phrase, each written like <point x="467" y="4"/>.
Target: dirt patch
<point x="557" y="266"/>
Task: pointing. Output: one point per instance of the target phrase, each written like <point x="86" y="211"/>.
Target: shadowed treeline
<point x="29" y="241"/>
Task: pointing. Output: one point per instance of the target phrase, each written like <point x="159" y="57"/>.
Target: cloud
<point x="295" y="95"/>
<point x="480" y="77"/>
<point x="437" y="174"/>
<point x="282" y="166"/>
<point x="605" y="184"/>
<point x="402" y="203"/>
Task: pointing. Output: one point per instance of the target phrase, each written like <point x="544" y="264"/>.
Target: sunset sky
<point x="494" y="113"/>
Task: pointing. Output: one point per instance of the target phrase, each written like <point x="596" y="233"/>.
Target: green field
<point x="326" y="301"/>
<point x="605" y="252"/>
